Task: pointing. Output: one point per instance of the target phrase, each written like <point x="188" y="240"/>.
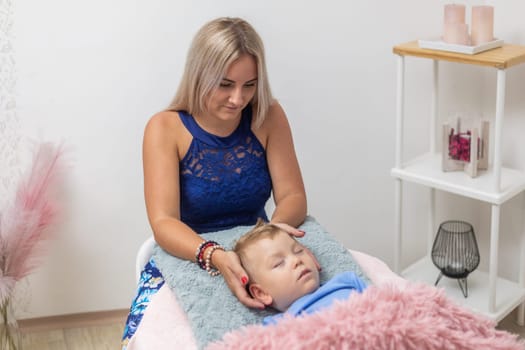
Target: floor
<point x="107" y="336"/>
<point x="509" y="324"/>
<point x="103" y="337"/>
<point x="95" y="334"/>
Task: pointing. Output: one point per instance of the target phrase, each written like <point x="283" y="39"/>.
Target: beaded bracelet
<point x="200" y="258"/>
<point x="199" y="253"/>
<point x="211" y="270"/>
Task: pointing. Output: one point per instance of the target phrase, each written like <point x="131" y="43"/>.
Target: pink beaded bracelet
<point x="211" y="270"/>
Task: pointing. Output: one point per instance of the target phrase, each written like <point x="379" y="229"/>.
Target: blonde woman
<point x="214" y="157"/>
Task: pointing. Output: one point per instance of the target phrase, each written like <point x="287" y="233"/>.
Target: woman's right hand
<point x="229" y="264"/>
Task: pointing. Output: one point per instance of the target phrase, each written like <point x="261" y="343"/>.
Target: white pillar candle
<point x="482" y="24"/>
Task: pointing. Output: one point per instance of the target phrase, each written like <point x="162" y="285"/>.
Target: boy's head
<point x="281" y="270"/>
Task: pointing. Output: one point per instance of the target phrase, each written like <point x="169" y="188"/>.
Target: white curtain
<point x="9" y="122"/>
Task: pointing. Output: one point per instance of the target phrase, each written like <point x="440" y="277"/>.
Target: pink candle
<point x="482" y="24"/>
<point x="455" y="31"/>
<point x="454" y="13"/>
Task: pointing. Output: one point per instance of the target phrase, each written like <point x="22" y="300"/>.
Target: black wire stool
<point x="455" y="252"/>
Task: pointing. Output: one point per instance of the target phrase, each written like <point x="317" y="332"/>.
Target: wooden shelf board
<point x="502" y="57"/>
<point x="426" y="170"/>
<point x="508" y="294"/>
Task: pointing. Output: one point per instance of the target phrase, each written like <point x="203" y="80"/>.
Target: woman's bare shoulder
<point x="276" y="111"/>
<point x="166" y="124"/>
<point x="163" y="121"/>
<point x="275" y="119"/>
<point x="166" y="130"/>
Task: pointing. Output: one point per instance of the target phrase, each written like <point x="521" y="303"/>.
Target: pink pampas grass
<point x="24" y="224"/>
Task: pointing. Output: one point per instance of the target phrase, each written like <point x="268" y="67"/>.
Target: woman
<point x="212" y="159"/>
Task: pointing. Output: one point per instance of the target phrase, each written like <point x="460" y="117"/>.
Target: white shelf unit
<point x="489" y="294"/>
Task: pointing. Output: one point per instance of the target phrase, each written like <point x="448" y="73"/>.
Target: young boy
<point x="284" y="276"/>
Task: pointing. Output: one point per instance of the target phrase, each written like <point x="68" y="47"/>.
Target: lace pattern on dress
<point x="224" y="182"/>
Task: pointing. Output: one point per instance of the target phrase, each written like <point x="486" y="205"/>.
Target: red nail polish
<point x="244" y="280"/>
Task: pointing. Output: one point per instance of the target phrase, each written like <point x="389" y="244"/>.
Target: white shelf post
<point x="432" y="138"/>
<point x="495" y="215"/>
<point x="498" y="127"/>
<point x="400" y="109"/>
<point x="398" y="226"/>
<point x="399" y="154"/>
<point x="520" y="317"/>
<point x="434" y="106"/>
<point x="493" y="264"/>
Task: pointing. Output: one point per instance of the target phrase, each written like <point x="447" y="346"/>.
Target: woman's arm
<point x="288" y="187"/>
<point x="163" y="140"/>
<point x="165" y="143"/>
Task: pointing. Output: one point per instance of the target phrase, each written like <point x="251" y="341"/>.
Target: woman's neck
<point x="217" y="127"/>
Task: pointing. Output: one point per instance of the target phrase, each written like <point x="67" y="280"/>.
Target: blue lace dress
<point x="224" y="182"/>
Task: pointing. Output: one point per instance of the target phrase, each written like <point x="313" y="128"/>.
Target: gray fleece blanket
<point x="212" y="309"/>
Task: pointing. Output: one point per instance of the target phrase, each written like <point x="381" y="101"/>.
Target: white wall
<point x="92" y="73"/>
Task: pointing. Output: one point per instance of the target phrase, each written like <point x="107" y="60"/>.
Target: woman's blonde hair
<point x="215" y="46"/>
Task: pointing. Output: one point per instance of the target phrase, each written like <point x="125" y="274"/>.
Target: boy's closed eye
<point x="298" y="250"/>
<point x="277" y="263"/>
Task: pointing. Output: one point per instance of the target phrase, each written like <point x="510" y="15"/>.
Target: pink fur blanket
<point x="414" y="316"/>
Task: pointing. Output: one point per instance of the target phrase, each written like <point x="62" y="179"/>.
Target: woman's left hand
<point x="289" y="229"/>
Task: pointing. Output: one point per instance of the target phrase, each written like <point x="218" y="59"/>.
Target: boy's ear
<point x="259" y="294"/>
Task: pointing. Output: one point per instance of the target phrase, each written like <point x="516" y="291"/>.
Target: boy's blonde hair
<point x="260" y="231"/>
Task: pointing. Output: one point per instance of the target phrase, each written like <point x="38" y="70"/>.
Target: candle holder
<point x="465" y="147"/>
<point x="455" y="252"/>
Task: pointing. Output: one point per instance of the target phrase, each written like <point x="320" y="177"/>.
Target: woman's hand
<point x="289" y="229"/>
<point x="229" y="264"/>
<point x="296" y="233"/>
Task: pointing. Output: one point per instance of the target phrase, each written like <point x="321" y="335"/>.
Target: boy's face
<point x="281" y="271"/>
